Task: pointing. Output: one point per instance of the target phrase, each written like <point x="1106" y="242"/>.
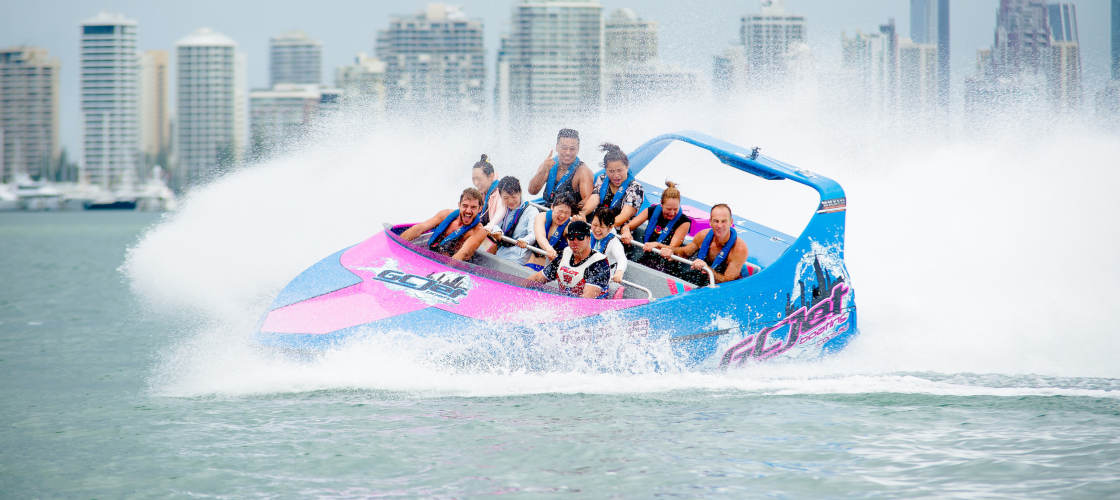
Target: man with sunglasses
<point x="579" y="270"/>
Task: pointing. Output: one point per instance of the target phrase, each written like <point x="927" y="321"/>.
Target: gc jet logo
<point x="443" y="286"/>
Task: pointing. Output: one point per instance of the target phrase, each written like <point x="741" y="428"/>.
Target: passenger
<point x="579" y="270"/>
<point x="457" y="232"/>
<point x="615" y="189"/>
<point x="564" y="172"/>
<point x="719" y="248"/>
<point x="517" y="223"/>
<point x="486" y="181"/>
<point x="606" y="242"/>
<point x="666" y="228"/>
<point x="549" y="230"/>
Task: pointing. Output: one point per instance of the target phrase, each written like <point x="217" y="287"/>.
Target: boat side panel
<point x="324" y="277"/>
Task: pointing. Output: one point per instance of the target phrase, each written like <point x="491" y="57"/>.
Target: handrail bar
<point x="539" y="251"/>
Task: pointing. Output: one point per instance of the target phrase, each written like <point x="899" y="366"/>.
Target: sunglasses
<point x="578" y="238"/>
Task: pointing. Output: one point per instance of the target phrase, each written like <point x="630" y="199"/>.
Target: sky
<point x="690" y="32"/>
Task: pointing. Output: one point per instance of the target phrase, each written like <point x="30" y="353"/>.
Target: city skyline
<point x="720" y="20"/>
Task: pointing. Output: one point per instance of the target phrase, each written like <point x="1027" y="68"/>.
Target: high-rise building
<point x="435" y="60"/>
<point x="729" y="71"/>
<point x="1022" y="39"/>
<point x="870" y="62"/>
<point x="363" y="83"/>
<point x="294" y="57"/>
<point x="929" y="24"/>
<point x="155" y="119"/>
<point x="280" y="115"/>
<point x="1064" y="66"/>
<point x="917" y="76"/>
<point x="771" y="39"/>
<point x="210" y="118"/>
<point x="1115" y="36"/>
<point x="555" y="53"/>
<point x="110" y="99"/>
<point x="28" y="112"/>
<point x="628" y="40"/>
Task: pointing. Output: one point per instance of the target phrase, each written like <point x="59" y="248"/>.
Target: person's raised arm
<point x="422" y="227"/>
<point x="536" y="183"/>
<point x="474" y="239"/>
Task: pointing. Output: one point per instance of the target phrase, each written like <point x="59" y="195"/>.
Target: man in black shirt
<point x="579" y="270"/>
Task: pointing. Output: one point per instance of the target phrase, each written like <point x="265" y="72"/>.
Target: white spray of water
<point x="971" y="250"/>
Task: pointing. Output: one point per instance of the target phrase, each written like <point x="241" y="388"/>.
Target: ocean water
<point x="982" y="258"/>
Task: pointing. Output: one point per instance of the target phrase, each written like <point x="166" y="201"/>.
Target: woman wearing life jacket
<point x="606" y="242"/>
<point x="564" y="172"/>
<point x="615" y="188"/>
<point x="719" y="248"/>
<point x="455" y="233"/>
<point x="549" y="230"/>
<point x="666" y="228"/>
<point x="578" y="270"/>
<point x="485" y="179"/>
<point x="517" y="223"/>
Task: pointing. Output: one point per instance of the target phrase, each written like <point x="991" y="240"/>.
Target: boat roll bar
<point x="539" y="251"/>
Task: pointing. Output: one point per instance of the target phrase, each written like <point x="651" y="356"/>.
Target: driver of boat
<point x="456" y="232"/>
<point x="564" y="172"/>
<point x="718" y="247"/>
<point x="549" y="230"/>
<point x="485" y="179"/>
<point x="666" y="228"/>
<point x="516" y="223"/>
<point x="615" y="187"/>
<point x="578" y="270"/>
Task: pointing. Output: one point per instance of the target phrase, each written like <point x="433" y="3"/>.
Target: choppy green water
<point x="94" y="404"/>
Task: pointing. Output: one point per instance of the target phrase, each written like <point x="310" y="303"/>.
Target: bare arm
<point x="584" y="182"/>
<point x="539" y="178"/>
<point x="542" y="235"/>
<point x="693" y="246"/>
<point x="734" y="263"/>
<point x="422" y="227"/>
<point x="471" y="245"/>
<point x="591" y="291"/>
<point x="625" y="215"/>
<point x="537" y="278"/>
<point x="675" y="242"/>
<point x="589" y="205"/>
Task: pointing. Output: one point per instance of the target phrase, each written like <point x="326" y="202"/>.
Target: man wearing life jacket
<point x="456" y="232"/>
<point x="666" y="228"/>
<point x="578" y="270"/>
<point x="485" y="179"/>
<point x="549" y="230"/>
<point x="615" y="188"/>
<point x="718" y="247"/>
<point x="516" y="223"/>
<point x="564" y="172"/>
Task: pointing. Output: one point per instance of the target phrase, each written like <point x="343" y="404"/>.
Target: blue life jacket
<point x="511" y="226"/>
<point x="435" y="243"/>
<point x="484" y="215"/>
<point x="722" y="256"/>
<point x="601" y="245"/>
<point x="667" y="231"/>
<point x="604" y="188"/>
<point x="551" y="187"/>
<point x="558" y="242"/>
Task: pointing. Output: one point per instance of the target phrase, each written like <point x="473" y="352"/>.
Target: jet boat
<point x="794" y="301"/>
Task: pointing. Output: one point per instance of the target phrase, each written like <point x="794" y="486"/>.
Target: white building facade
<point x="435" y="60"/>
<point x="155" y="107"/>
<point x="772" y="39"/>
<point x="110" y="99"/>
<point x="363" y="83"/>
<point x="554" y="55"/>
<point x="294" y="57"/>
<point x="211" y="115"/>
<point x="28" y="112"/>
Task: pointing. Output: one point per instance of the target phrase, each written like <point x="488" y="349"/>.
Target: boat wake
<point x="975" y="250"/>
